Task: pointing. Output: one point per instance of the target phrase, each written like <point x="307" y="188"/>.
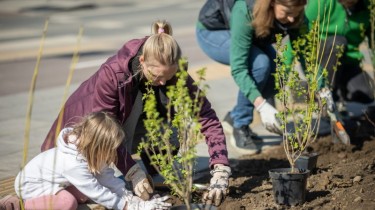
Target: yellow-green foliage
<point x="288" y="81"/>
<point x="177" y="170"/>
<point x="75" y="59"/>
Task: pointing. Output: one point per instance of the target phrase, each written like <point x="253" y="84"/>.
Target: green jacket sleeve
<point x="241" y="40"/>
<point x="313" y="9"/>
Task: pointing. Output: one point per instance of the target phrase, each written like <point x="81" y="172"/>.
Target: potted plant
<point x="300" y="122"/>
<point x="307" y="161"/>
<point x="176" y="169"/>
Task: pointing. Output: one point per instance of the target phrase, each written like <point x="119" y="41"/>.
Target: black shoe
<point x="246" y="140"/>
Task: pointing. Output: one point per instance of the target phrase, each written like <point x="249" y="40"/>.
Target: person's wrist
<point x="221" y="168"/>
<point x="259" y="101"/>
<point x="133" y="172"/>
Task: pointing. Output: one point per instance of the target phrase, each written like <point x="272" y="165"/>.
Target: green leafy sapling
<point x="181" y="122"/>
<point x="304" y="118"/>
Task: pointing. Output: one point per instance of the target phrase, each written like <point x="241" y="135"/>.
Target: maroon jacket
<point x="110" y="89"/>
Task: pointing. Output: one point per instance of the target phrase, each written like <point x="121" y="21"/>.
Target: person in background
<point x="82" y="159"/>
<point x="117" y="88"/>
<point x="348" y="26"/>
<point x="241" y="35"/>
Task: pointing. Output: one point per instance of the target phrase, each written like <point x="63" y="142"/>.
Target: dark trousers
<point x="349" y="82"/>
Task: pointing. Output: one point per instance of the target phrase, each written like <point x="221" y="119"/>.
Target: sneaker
<point x="245" y="140"/>
<point x="10" y="202"/>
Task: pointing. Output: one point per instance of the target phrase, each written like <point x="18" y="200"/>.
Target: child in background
<point x="78" y="169"/>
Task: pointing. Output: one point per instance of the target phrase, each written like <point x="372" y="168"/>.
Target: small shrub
<point x="177" y="169"/>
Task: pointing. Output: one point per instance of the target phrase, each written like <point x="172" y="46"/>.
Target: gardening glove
<point x="156" y="202"/>
<point x="268" y="116"/>
<point x="218" y="188"/>
<point x="327" y="100"/>
<point x="142" y="183"/>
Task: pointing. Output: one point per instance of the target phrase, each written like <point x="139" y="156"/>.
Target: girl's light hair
<point x="98" y="137"/>
<point x="264" y="15"/>
<point x="161" y="46"/>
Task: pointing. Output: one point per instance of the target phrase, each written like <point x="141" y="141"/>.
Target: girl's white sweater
<point x="55" y="169"/>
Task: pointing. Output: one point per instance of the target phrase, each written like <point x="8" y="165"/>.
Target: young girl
<point x="117" y="88"/>
<point x="81" y="159"/>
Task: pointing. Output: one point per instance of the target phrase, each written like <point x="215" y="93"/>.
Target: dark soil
<point x="344" y="178"/>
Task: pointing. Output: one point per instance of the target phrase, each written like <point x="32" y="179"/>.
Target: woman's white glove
<point x="268" y="116"/>
<point x="326" y="98"/>
<point x="218" y="188"/>
<point x="142" y="184"/>
<point x="156" y="202"/>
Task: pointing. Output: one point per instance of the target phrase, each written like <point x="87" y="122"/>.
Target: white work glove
<point x="218" y="188"/>
<point x="142" y="183"/>
<point x="327" y="99"/>
<point x="268" y="116"/>
<point x="156" y="202"/>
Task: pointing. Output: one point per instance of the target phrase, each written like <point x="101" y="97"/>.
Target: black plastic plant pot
<point x="289" y="188"/>
<point x="195" y="206"/>
<point x="307" y="161"/>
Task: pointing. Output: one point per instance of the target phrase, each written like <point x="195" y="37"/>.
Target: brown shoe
<point x="10" y="202"/>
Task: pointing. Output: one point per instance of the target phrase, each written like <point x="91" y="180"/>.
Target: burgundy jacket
<point x="110" y="89"/>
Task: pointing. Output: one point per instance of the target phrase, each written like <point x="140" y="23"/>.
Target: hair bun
<point x="161" y="27"/>
<point x="160" y="30"/>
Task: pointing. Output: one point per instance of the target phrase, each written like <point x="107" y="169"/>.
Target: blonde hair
<point x="264" y="16"/>
<point x="98" y="137"/>
<point x="161" y="46"/>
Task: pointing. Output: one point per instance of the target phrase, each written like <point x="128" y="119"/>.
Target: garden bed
<point x="345" y="178"/>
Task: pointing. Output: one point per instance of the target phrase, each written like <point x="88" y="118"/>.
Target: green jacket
<point x="354" y="27"/>
<point x="242" y="38"/>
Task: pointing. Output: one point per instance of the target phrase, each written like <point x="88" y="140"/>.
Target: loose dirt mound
<point x="345" y="178"/>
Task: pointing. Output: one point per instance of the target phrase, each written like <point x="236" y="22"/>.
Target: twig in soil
<point x="368" y="118"/>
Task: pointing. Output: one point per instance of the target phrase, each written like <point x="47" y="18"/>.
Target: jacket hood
<point x="128" y="52"/>
<point x="68" y="148"/>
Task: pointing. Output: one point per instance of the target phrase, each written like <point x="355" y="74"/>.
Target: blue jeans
<point x="216" y="44"/>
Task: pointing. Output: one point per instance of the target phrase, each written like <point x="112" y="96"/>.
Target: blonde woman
<point x="117" y="88"/>
<point x="81" y="159"/>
